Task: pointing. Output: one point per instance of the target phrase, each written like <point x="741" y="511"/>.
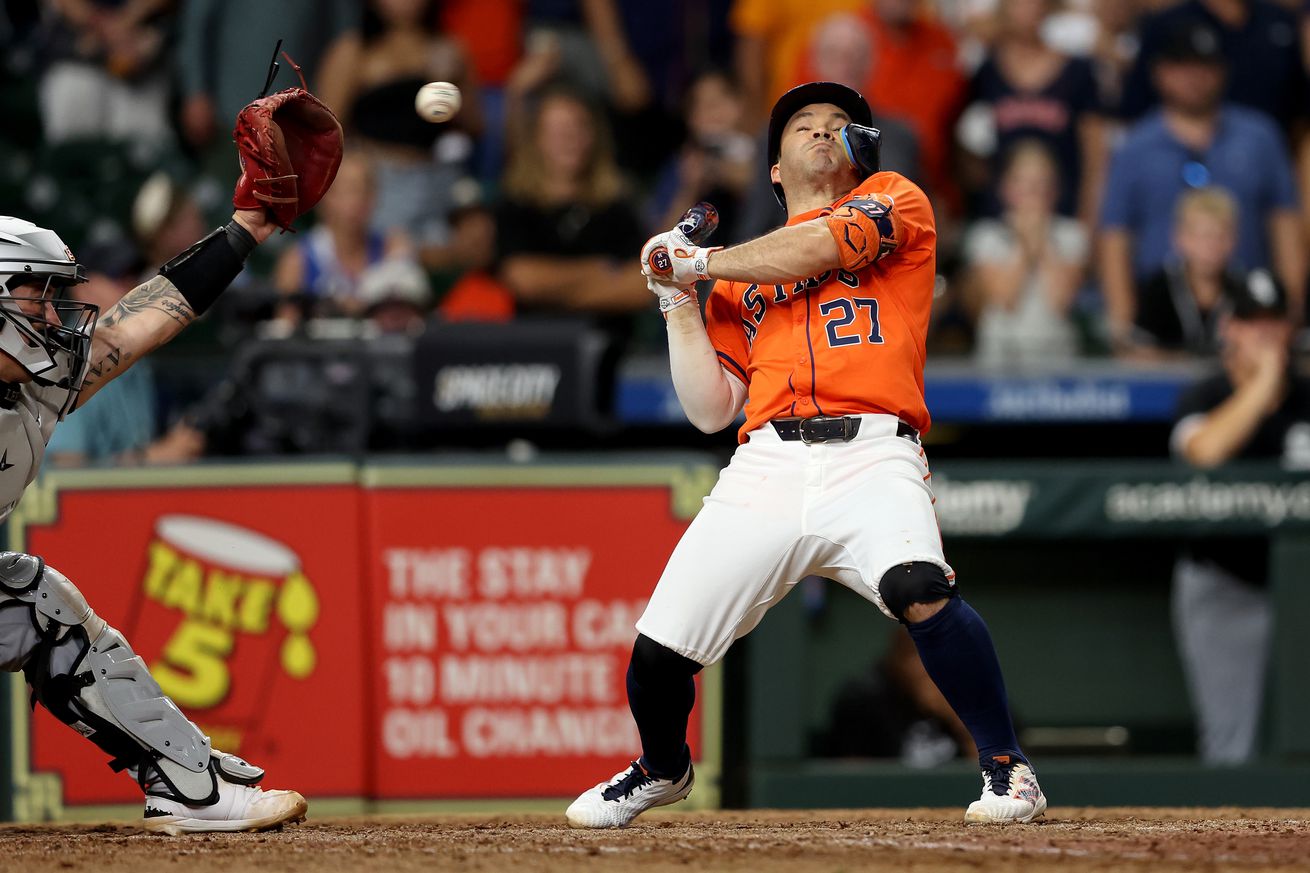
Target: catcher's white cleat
<point x="1010" y="793"/>
<point x="239" y="808"/>
<point x="614" y="804"/>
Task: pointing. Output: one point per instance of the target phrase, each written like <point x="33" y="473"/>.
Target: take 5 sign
<point x="421" y="635"/>
<point x="236" y="599"/>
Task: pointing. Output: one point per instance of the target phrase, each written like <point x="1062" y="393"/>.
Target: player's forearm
<point x="788" y="254"/>
<point x="574" y="283"/>
<point x="154" y="312"/>
<point x="547" y="278"/>
<point x="703" y="389"/>
<point x="1229" y="427"/>
<point x="141" y="321"/>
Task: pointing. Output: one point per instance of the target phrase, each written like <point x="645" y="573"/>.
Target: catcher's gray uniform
<point x="27" y="419"/>
<point x="79" y="667"/>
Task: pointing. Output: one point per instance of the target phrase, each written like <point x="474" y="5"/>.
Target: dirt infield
<point x="755" y="841"/>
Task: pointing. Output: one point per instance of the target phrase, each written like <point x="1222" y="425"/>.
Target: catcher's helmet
<point x="37" y="268"/>
<point x="860" y="138"/>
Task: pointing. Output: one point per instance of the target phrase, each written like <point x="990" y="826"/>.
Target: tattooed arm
<point x="145" y="318"/>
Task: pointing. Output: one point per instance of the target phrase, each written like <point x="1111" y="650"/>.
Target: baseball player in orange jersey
<point x="817" y="330"/>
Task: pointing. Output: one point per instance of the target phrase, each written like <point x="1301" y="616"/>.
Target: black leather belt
<point x="830" y="428"/>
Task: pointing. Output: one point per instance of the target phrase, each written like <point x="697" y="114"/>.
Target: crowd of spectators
<point x="1103" y="171"/>
<point x="1123" y="178"/>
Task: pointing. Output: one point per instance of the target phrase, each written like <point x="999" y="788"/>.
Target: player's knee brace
<point x="915" y="582"/>
<point x="87" y="675"/>
<point x="652" y="662"/>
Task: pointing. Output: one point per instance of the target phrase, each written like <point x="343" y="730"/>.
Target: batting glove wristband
<point x="669" y="257"/>
<point x="671" y="296"/>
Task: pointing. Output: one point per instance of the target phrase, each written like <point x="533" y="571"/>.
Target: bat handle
<point x="699" y="222"/>
<point x="696" y="224"/>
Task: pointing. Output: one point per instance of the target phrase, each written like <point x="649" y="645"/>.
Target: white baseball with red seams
<point x="436" y="102"/>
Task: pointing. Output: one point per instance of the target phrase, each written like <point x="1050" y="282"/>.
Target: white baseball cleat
<point x="1010" y="793"/>
<point x="239" y="808"/>
<point x="614" y="804"/>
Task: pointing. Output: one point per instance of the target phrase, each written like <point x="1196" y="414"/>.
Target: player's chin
<point x="824" y="160"/>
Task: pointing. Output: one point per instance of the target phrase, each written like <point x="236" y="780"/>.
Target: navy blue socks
<point x="661" y="692"/>
<point x="956" y="649"/>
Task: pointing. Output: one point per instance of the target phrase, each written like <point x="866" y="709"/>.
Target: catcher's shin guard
<point x="86" y="674"/>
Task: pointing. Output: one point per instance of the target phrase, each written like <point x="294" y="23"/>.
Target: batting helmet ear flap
<point x="863" y="148"/>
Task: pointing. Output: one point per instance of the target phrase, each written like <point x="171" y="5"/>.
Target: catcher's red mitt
<point x="290" y="147"/>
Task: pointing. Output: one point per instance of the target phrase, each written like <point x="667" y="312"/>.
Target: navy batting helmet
<point x="860" y="139"/>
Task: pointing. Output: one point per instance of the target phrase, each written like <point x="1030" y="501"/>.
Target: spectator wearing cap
<point x="1194" y="141"/>
<point x="164" y="217"/>
<point x="117" y="425"/>
<point x="1256" y="408"/>
<point x="395" y="297"/>
<point x="1257" y="37"/>
<point x="1182" y="306"/>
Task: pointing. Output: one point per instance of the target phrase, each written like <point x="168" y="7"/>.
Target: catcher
<point x="56" y="354"/>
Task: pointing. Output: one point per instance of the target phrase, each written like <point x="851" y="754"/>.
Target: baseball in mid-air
<point x="437" y="102"/>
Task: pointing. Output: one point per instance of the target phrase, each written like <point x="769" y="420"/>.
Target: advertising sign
<point x="245" y="604"/>
<point x="439" y="632"/>
<point x="542" y="372"/>
<point x="504" y="622"/>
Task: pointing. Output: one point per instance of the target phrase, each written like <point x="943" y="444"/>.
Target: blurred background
<point x="1120" y="191"/>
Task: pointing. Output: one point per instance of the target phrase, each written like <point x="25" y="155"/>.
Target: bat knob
<point x="659" y="261"/>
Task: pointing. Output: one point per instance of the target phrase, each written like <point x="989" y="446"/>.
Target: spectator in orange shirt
<point x="771" y="39"/>
<point x="917" y="78"/>
<point x="491" y="33"/>
<point x="478" y="294"/>
<point x="840" y="50"/>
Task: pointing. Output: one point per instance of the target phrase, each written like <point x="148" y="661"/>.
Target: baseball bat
<point x="696" y="224"/>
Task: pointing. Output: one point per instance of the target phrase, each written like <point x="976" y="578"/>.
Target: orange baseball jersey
<point x="842" y="343"/>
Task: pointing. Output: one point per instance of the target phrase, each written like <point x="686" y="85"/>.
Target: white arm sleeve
<point x="710" y="395"/>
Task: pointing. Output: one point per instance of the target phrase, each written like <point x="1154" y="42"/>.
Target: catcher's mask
<point x="45" y="332"/>
<point x="860" y="139"/>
